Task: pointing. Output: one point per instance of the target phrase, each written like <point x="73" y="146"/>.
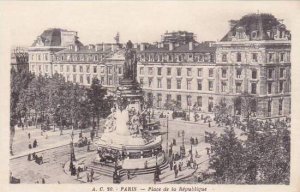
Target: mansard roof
<point x="204" y="47"/>
<point x="264" y="24"/>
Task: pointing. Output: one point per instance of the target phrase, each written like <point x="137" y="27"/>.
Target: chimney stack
<point x="112" y="47"/>
<point x="76" y="48"/>
<point x="171" y="46"/>
<point x="191" y="46"/>
<point x="103" y="47"/>
<point x="142" y="47"/>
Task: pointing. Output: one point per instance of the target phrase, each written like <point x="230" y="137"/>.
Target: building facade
<point x="251" y="60"/>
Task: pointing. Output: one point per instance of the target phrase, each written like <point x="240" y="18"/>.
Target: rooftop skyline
<point x="98" y="22"/>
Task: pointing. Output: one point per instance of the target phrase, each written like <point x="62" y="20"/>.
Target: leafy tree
<point x="171" y="105"/>
<point x="227" y="157"/>
<point x="222" y="112"/>
<point x="96" y="96"/>
<point x="263" y="158"/>
<point x="19" y="81"/>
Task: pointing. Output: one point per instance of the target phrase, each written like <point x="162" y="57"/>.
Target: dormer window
<point x="254" y="34"/>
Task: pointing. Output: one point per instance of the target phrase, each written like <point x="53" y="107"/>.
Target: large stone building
<point x="252" y="59"/>
<point x="41" y="52"/>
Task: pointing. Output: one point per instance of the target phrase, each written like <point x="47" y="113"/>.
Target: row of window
<point x="178" y="71"/>
<point x="178" y="57"/>
<point x="271" y="57"/>
<point x="199" y="72"/>
<point x="78" y="57"/>
<point x="271" y="73"/>
<point x="82" y="69"/>
<point x="39" y="57"/>
<point x="199" y="103"/>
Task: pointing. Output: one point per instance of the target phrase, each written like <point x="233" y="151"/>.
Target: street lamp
<point x="167" y="147"/>
<point x="72" y="153"/>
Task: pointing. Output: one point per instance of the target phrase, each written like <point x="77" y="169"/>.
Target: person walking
<point x="92" y="175"/>
<point x="28" y="135"/>
<point x="87" y="177"/>
<point x="171" y="165"/>
<point x="43" y="181"/>
<point x="128" y="175"/>
<point x="179" y="166"/>
<point x="78" y="173"/>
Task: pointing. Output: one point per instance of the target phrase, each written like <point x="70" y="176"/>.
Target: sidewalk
<point x="48" y="140"/>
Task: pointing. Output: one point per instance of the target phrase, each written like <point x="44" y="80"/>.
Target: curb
<point x="23" y="155"/>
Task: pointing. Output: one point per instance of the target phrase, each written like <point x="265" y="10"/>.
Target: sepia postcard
<point x="154" y="96"/>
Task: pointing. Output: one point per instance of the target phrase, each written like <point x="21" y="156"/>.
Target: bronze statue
<point x="130" y="63"/>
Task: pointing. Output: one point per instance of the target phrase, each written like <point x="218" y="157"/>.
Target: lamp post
<point x="167" y="147"/>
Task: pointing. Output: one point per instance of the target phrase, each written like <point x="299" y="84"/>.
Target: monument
<point x="127" y="141"/>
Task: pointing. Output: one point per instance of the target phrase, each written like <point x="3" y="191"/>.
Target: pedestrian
<point x="209" y="124"/>
<point x="28" y="135"/>
<point x="175" y="167"/>
<point x="87" y="177"/>
<point x="179" y="166"/>
<point x="197" y="155"/>
<point x="43" y="181"/>
<point x="78" y="174"/>
<point x="29" y="157"/>
<point x="29" y="146"/>
<point x="195" y="164"/>
<point x="88" y="146"/>
<point x="171" y="165"/>
<point x="92" y="175"/>
<point x="174" y="142"/>
<point x="196" y="141"/>
<point x="34" y="143"/>
<point x="128" y="175"/>
<point x="176" y="173"/>
<point x="146" y="164"/>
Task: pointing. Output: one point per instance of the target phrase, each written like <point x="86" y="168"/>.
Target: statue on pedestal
<point x="130" y="68"/>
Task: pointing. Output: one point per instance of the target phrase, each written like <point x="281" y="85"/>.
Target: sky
<point x="98" y="22"/>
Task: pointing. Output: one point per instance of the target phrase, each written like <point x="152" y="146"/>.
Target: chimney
<point x="91" y="46"/>
<point x="112" y="47"/>
<point x="191" y="46"/>
<point x="171" y="46"/>
<point x="97" y="47"/>
<point x="103" y="47"/>
<point x="142" y="47"/>
<point x="76" y="48"/>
